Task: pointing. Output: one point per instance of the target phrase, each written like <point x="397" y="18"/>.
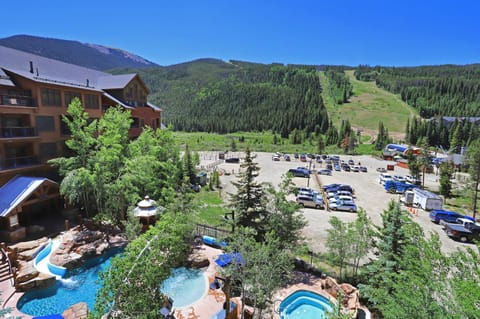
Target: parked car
<point x="466" y="233"/>
<point x="344" y="206"/>
<point x="351" y="162"/>
<point x="399" y="178"/>
<point x="339" y="193"/>
<point x="384" y="177"/>
<point x="303" y="157"/>
<point x="363" y="169"/>
<point x="286" y="157"/>
<point x="338" y="198"/>
<point x="307" y="191"/>
<point x="299" y="172"/>
<point x="311" y="201"/>
<point x="381" y="169"/>
<point x="325" y="171"/>
<point x="355" y="169"/>
<point x="330" y="186"/>
<point x="275" y="157"/>
<point x="459" y="221"/>
<point x="437" y="215"/>
<point x="336" y="167"/>
<point x="413" y="180"/>
<point x="319" y="159"/>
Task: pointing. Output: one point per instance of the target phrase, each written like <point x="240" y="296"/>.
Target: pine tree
<point x="249" y="203"/>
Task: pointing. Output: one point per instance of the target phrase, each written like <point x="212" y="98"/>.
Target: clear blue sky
<point x="351" y="32"/>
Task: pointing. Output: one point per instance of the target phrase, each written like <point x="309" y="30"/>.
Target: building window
<point x="91" y="101"/>
<point x="135" y="122"/>
<point x="45" y="123"/>
<point x="47" y="150"/>
<point x="64" y="129"/>
<point x="51" y="97"/>
<point x="69" y="96"/>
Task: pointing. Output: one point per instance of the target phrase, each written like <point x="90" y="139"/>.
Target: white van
<point x="384" y="177"/>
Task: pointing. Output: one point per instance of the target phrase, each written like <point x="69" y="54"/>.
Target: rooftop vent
<point x="31" y="67"/>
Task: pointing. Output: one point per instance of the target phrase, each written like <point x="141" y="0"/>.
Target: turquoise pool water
<point x="303" y="304"/>
<point x="78" y="285"/>
<point x="185" y="286"/>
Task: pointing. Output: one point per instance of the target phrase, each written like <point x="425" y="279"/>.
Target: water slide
<point x="42" y="261"/>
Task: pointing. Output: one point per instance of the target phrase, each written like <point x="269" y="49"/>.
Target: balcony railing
<point x="17" y="100"/>
<point x="19" y="131"/>
<point x="18" y="162"/>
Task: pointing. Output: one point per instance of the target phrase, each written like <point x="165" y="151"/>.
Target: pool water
<point x="79" y="285"/>
<point x="303" y="304"/>
<point x="185" y="286"/>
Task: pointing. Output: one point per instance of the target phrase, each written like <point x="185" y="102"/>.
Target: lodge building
<point x="34" y="94"/>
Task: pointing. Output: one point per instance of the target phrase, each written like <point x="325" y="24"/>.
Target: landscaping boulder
<point x="198" y="260"/>
<point x="77" y="311"/>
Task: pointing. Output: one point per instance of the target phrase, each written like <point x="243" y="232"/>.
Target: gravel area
<point x="370" y="195"/>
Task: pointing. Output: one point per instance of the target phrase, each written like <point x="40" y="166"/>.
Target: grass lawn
<point x="210" y="208"/>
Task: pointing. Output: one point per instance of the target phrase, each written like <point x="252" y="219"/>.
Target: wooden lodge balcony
<point x="17" y="100"/>
<point x="19" y="162"/>
<point x="17" y="132"/>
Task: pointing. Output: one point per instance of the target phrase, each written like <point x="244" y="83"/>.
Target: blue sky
<point x="374" y="32"/>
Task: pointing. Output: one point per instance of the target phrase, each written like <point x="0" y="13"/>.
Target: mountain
<point x="88" y="55"/>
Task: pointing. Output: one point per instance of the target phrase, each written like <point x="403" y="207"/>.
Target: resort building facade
<point x="34" y="94"/>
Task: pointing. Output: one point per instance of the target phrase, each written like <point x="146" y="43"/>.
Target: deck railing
<point x="17" y="100"/>
<point x="19" y="131"/>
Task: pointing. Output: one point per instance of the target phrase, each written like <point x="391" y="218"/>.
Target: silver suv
<point x="311" y="201"/>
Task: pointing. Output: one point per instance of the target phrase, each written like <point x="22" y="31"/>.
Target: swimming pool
<point x="185" y="286"/>
<point x="78" y="285"/>
<point x="303" y="304"/>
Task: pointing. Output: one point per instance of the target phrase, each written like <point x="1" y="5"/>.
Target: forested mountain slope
<point x="216" y="96"/>
<point x="446" y="90"/>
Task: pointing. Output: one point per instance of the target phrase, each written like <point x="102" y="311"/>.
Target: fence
<point x="206" y="230"/>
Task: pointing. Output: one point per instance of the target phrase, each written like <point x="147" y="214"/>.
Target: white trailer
<point x="426" y="200"/>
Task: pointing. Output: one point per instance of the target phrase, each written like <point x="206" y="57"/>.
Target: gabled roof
<point x="47" y="69"/>
<point x="154" y="107"/>
<point x="115" y="81"/>
<point x="18" y="189"/>
<point x="114" y="99"/>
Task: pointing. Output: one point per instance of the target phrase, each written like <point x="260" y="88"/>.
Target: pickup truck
<point x="466" y="233"/>
<point x="458" y="221"/>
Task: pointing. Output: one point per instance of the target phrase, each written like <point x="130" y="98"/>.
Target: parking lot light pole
<point x="309" y="168"/>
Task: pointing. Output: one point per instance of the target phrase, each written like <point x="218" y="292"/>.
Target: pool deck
<point x="205" y="308"/>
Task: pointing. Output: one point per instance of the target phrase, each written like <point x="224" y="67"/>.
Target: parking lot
<point x="370" y="195"/>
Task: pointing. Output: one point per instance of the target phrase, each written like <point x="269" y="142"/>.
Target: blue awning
<point x="50" y="317"/>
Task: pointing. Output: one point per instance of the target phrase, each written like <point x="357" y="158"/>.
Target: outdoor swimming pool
<point x="303" y="304"/>
<point x="185" y="286"/>
<point x="78" y="285"/>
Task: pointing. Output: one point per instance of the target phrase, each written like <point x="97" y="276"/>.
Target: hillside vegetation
<point x="368" y="106"/>
<point x="214" y="96"/>
<point x="448" y="90"/>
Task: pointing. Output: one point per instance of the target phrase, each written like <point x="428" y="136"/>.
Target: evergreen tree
<point x="445" y="181"/>
<point x="249" y="202"/>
